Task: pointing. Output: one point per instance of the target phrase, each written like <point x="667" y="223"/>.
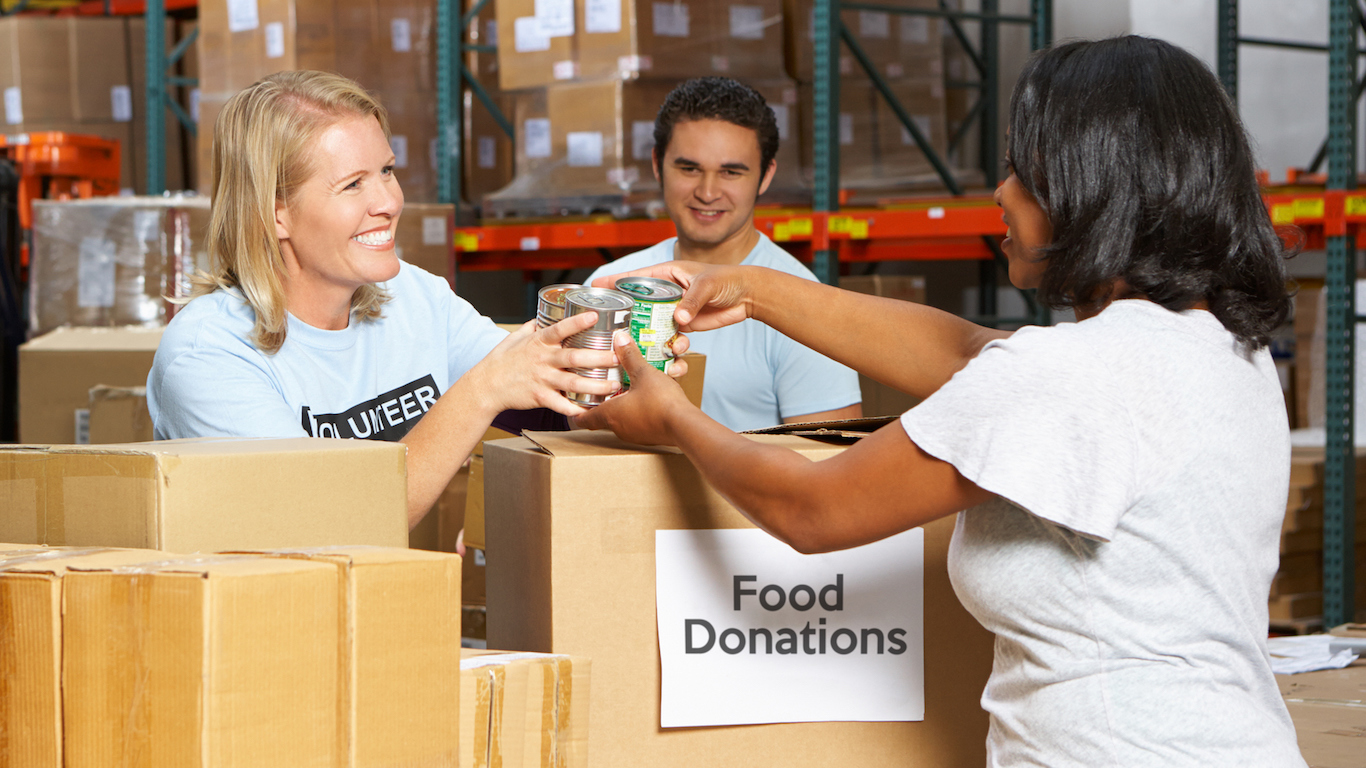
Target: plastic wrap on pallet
<point x="113" y="261"/>
<point x="584" y="147"/>
<point x="542" y="42"/>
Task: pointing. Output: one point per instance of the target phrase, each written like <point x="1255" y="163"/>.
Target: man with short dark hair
<point x="715" y="143"/>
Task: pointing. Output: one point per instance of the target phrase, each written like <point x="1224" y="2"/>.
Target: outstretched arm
<point x="911" y="347"/>
<point x="879" y="487"/>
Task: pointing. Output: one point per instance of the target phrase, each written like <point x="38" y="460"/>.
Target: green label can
<point x="652" y="317"/>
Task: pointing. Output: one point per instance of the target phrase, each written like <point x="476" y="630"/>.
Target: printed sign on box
<point x="752" y="632"/>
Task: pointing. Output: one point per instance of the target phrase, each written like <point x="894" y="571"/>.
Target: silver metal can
<point x="550" y="303"/>
<point x="613" y="310"/>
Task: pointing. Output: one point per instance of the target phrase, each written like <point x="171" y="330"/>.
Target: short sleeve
<point x="472" y="336"/>
<point x="1040" y="423"/>
<point x="805" y="381"/>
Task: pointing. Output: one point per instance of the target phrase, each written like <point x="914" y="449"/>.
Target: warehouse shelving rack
<point x="957" y="226"/>
<point x="1336" y="223"/>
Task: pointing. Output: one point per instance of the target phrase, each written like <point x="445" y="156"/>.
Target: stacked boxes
<point x="84" y="75"/>
<point x="1297" y="590"/>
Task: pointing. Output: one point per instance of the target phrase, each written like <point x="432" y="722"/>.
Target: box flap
<point x="841" y="431"/>
<point x="355" y="554"/>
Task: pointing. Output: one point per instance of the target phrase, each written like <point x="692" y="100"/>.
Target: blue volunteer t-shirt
<point x="755" y="375"/>
<point x="372" y="380"/>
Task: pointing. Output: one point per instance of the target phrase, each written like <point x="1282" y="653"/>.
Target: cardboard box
<point x="473" y="523"/>
<point x="923" y="100"/>
<point x="99" y="69"/>
<point x="571" y="530"/>
<point x="58" y="370"/>
<point x="897" y="45"/>
<point x="238" y="47"/>
<point x="31" y="583"/>
<point x="488" y="150"/>
<point x="857" y="126"/>
<point x="173" y="133"/>
<point x="400" y="655"/>
<point x="216" y="661"/>
<point x="407" y="43"/>
<point x="424" y="238"/>
<point x="483" y="30"/>
<point x="680" y="40"/>
<point x="119" y="415"/>
<point x="35" y="71"/>
<point x="527" y="58"/>
<point x="412" y="122"/>
<point x="533" y="707"/>
<point x="1326" y="709"/>
<point x="206" y="495"/>
<point x="878" y="398"/>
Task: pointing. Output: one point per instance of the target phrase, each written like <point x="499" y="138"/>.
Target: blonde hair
<point x="260" y="157"/>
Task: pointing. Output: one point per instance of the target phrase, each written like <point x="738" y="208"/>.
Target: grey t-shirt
<point x="1141" y="460"/>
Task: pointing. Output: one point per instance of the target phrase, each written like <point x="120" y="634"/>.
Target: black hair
<point x="718" y="98"/>
<point x="1137" y="155"/>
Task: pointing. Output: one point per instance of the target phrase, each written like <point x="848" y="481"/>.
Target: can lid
<point x="650" y="288"/>
<point x="554" y="294"/>
<point x="599" y="299"/>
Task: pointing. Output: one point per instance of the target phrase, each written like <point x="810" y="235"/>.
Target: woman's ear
<point x="281" y="220"/>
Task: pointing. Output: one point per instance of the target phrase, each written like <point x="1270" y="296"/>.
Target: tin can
<point x="652" y="317"/>
<point x="613" y="310"/>
<point x="550" y="303"/>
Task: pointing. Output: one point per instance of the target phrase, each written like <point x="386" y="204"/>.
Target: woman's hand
<point x="643" y="414"/>
<point x="713" y="296"/>
<point x="526" y="370"/>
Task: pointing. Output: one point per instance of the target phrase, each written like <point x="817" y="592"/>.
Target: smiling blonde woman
<point x="308" y="324"/>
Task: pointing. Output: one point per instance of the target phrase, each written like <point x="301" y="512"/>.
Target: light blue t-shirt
<point x="756" y="376"/>
<point x="373" y="380"/>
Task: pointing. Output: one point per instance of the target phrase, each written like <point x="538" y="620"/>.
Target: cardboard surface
<point x="1329" y="710"/>
<point x="571" y="520"/>
<point x="119" y="415"/>
<point x="169" y="663"/>
<point x="534" y="708"/>
<point x="424" y="238"/>
<point x="31" y="583"/>
<point x="58" y="370"/>
<point x="206" y="495"/>
<point x="400" y="653"/>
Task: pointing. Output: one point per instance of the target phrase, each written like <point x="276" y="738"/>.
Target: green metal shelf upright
<point x="156" y="96"/>
<point x="1339" y="486"/>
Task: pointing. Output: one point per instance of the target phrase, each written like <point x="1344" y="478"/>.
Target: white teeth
<point x="374" y="238"/>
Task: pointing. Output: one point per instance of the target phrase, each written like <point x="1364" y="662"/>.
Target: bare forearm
<point x="441" y="443"/>
<point x="911" y="347"/>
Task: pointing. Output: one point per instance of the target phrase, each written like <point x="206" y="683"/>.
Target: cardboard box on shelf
<point x="101" y="88"/>
<point x="407" y="42"/>
<point x="401" y="608"/>
<point x="412" y="122"/>
<point x="857" y="126"/>
<point x="488" y="149"/>
<point x="572" y="570"/>
<point x="35" y="72"/>
<point x="207" y="494"/>
<point x="58" y="370"/>
<point x="898" y="45"/>
<point x="424" y="238"/>
<point x="534" y="708"/>
<point x="240" y="43"/>
<point x="168" y="662"/>
<point x="923" y="100"/>
<point x="119" y="415"/>
<point x="483" y="30"/>
<point x="31" y="583"/>
<point x="878" y="398"/>
<point x="173" y="133"/>
<point x="645" y="38"/>
<point x="528" y="54"/>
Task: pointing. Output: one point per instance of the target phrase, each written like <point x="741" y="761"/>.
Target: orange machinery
<point x="59" y="166"/>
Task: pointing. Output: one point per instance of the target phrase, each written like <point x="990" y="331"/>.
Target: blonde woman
<point x="309" y="325"/>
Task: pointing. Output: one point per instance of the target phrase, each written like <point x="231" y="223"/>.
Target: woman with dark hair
<point x="1124" y="476"/>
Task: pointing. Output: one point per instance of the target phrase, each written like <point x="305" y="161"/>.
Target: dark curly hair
<point x="1139" y="159"/>
<point x="718" y="98"/>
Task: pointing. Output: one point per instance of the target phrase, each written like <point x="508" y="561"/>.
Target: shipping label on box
<point x="751" y="631"/>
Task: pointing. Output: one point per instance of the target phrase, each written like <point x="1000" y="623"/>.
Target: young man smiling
<point x="715" y="142"/>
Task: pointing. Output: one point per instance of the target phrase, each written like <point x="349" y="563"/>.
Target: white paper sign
<point x="915" y="29"/>
<point x="242" y="15"/>
<point x="846" y="128"/>
<point x="14" y="105"/>
<point x="194" y="104"/>
<point x="750" y="631"/>
<point x="556" y="17"/>
<point x="433" y="230"/>
<point x="95" y="273"/>
<point x="602" y="16"/>
<point x="780" y="114"/>
<point x="585" y="148"/>
<point x="275" y="40"/>
<point x="874" y="24"/>
<point x="401" y="35"/>
<point x="642" y="139"/>
<point x="488" y="152"/>
<point x="747" y="22"/>
<point x="536" y="134"/>
<point x="400" y="146"/>
<point x="491" y="32"/>
<point x="121" y="103"/>
<point x="671" y="20"/>
<point x="527" y="36"/>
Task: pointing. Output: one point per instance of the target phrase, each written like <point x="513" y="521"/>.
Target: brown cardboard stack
<point x="571" y="530"/>
<point x="875" y="148"/>
<point x="114" y="261"/>
<point x="58" y="370"/>
<point x="1297" y="590"/>
<point x="424" y="238"/>
<point x="524" y="710"/>
<point x="204" y="495"/>
<point x="488" y="151"/>
<point x="81" y="74"/>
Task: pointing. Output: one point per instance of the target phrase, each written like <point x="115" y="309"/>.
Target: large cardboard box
<point x="31" y="583"/>
<point x="412" y="123"/>
<point x="488" y="150"/>
<point x="241" y="42"/>
<point x="526" y="57"/>
<point x="528" y="709"/>
<point x="1326" y="709"/>
<point x="58" y="370"/>
<point x="206" y="495"/>
<point x="923" y="100"/>
<point x="217" y="661"/>
<point x="400" y="655"/>
<point x="35" y="71"/>
<point x="680" y="39"/>
<point x="100" y="81"/>
<point x="424" y="238"/>
<point x="119" y="415"/>
<point x="571" y="535"/>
